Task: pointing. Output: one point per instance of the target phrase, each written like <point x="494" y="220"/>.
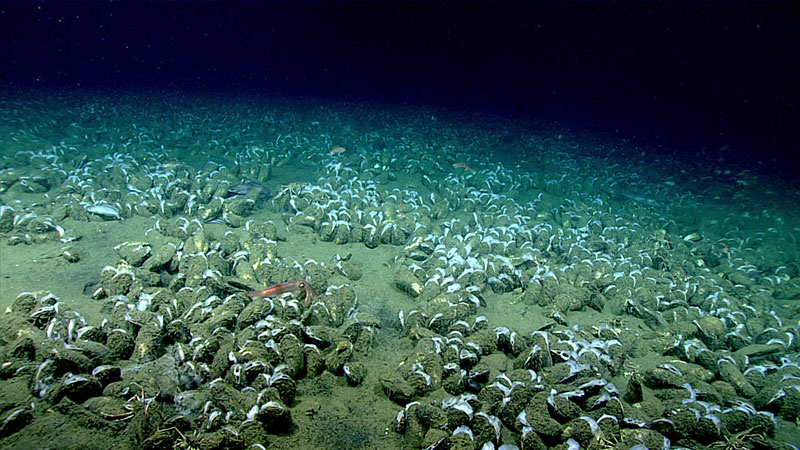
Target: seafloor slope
<point x="477" y="283"/>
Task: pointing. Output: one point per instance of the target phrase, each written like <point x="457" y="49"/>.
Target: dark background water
<point x="717" y="79"/>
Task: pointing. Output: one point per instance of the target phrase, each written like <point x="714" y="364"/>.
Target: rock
<point x="15" y="421"/>
<point x="659" y="378"/>
<point x="730" y="373"/>
<point x="77" y="388"/>
<point x="24" y="304"/>
<point x="161" y="257"/>
<point x="23" y="348"/>
<point x="354" y="372"/>
<point x="6" y="217"/>
<point x="252" y="433"/>
<point x="120" y="343"/>
<point x="148" y="342"/>
<point x="107" y="374"/>
<point x="134" y="253"/>
<point x="116" y="281"/>
<point x="579" y="429"/>
<point x="341" y="353"/>
<point x="789" y="404"/>
<point x="275" y="417"/>
<point x="759" y="350"/>
<point x="235" y="220"/>
<point x="241" y="206"/>
<point x="349" y="270"/>
<point x="226" y="438"/>
<point x="405" y="280"/>
<point x="257" y="309"/>
<point x="634" y="391"/>
<point x="315" y="363"/>
<point x="398" y="389"/>
<point x="284" y="385"/>
<point x="539" y="418"/>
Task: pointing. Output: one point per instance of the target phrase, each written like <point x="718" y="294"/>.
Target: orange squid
<point x="287" y="286"/>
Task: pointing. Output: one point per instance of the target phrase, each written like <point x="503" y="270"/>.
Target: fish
<point x="287" y="286"/>
<point x="104" y="211"/>
<point x="247" y="187"/>
<point x="642" y="199"/>
<point x="636" y="197"/>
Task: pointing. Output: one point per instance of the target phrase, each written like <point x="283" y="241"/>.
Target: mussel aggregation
<point x="242" y="276"/>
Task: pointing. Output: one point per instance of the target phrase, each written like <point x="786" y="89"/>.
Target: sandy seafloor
<point x="542" y="228"/>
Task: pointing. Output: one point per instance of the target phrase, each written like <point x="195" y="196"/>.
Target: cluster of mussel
<point x="30" y="224"/>
<point x="121" y="185"/>
<point x="732" y="376"/>
<point x="182" y="358"/>
<point x="722" y="371"/>
<point x="555" y="388"/>
<point x="25" y="226"/>
<point x="347" y="206"/>
<point x="38" y="176"/>
<point x="475" y="236"/>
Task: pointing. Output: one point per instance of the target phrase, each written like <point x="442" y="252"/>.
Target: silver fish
<point x="104" y="211"/>
<point x="247" y="187"/>
<point x="642" y="199"/>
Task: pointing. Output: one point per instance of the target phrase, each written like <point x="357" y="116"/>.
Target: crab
<point x="132" y="406"/>
<point x="292" y="189"/>
<point x="744" y="440"/>
<point x="287" y="194"/>
<point x="602" y="441"/>
<point x="175" y="439"/>
<point x="660" y="239"/>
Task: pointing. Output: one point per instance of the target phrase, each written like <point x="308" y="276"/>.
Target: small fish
<point x="104" y="211"/>
<point x="247" y="187"/>
<point x="288" y="286"/>
<point x="337" y="149"/>
<point x="642" y="199"/>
